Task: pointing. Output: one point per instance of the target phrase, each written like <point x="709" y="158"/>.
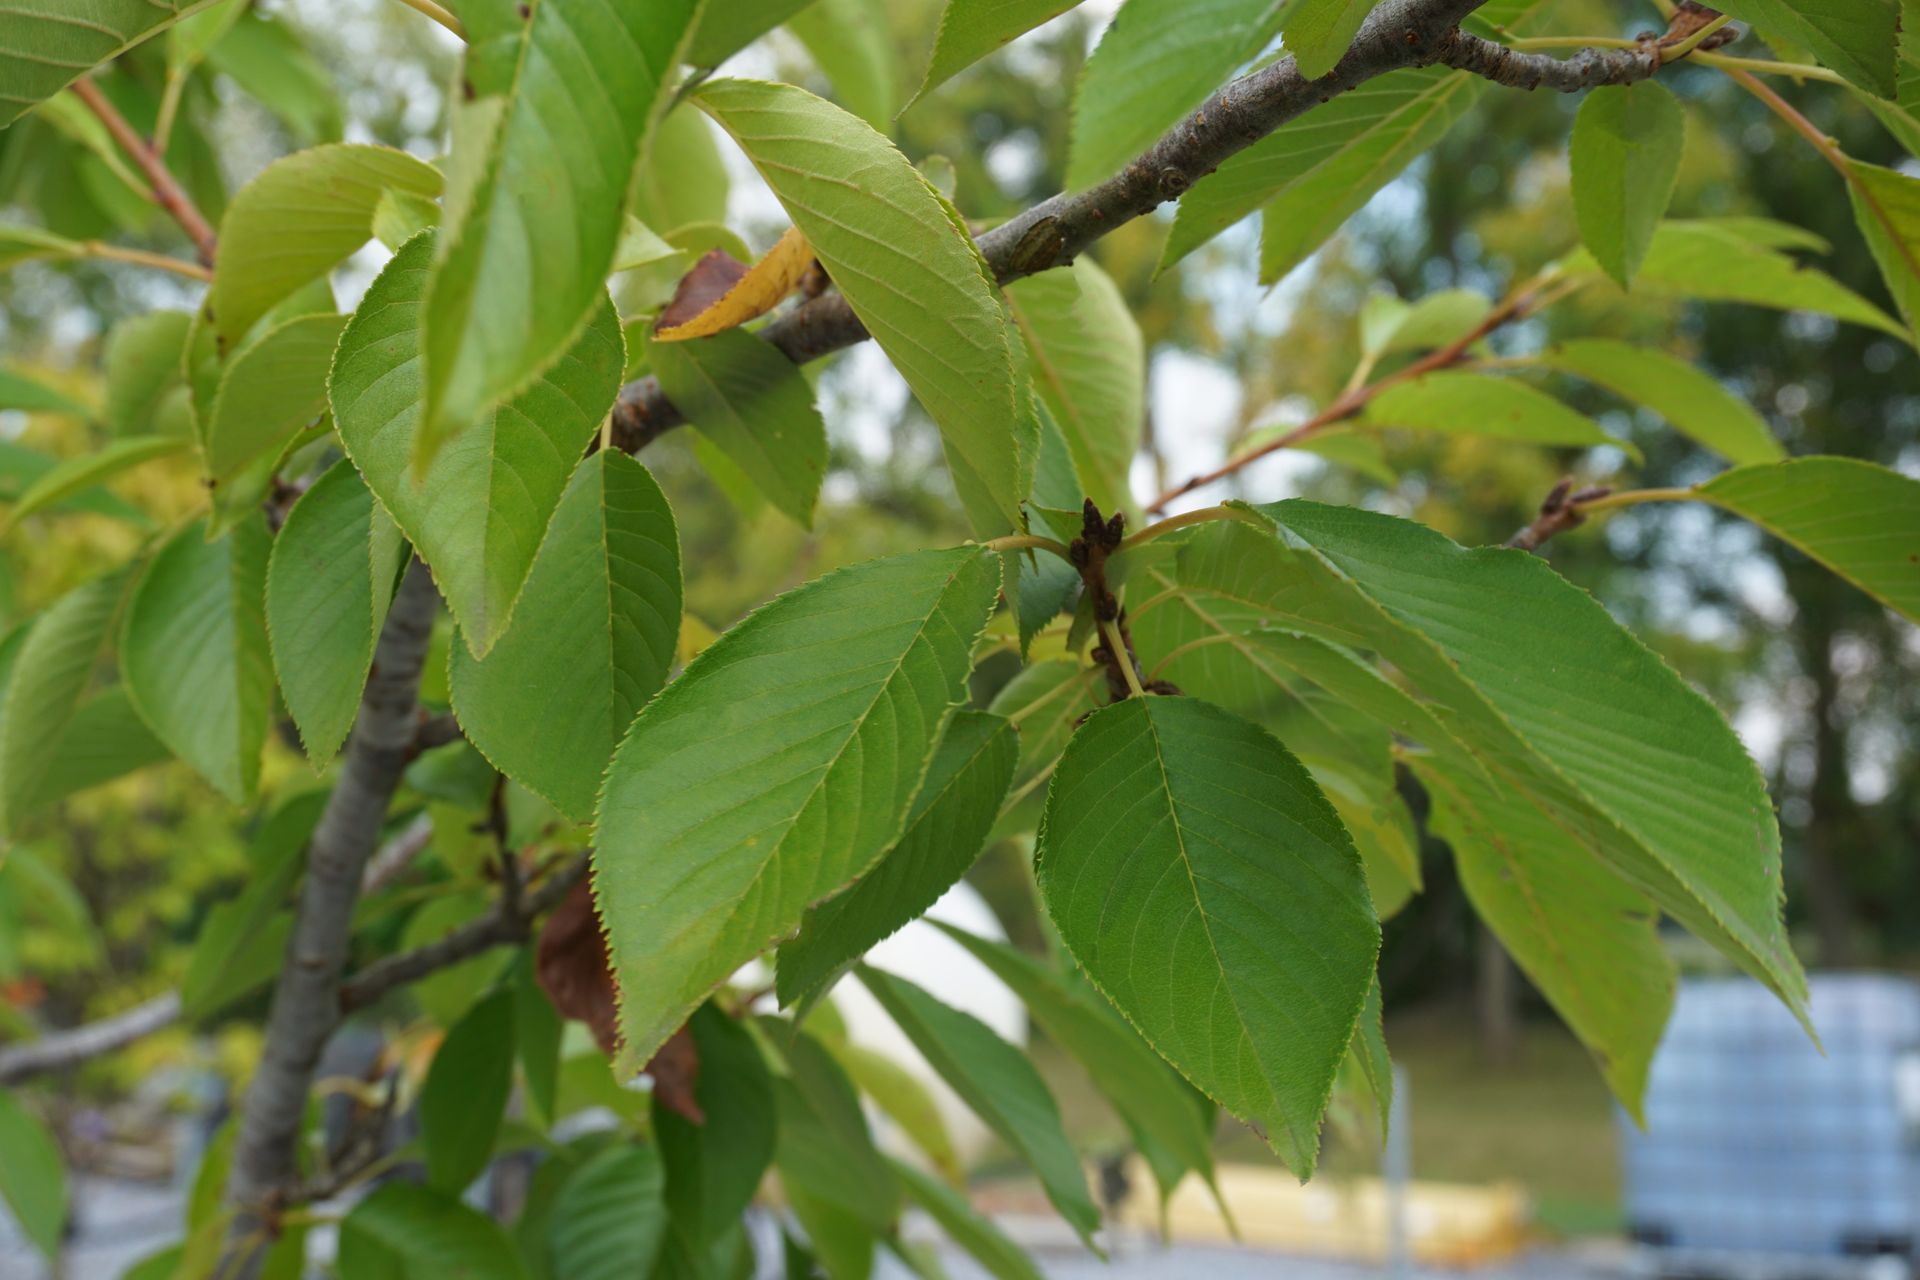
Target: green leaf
<point x="1712" y="262"/>
<point x="46" y="45"/>
<point x="1313" y="173"/>
<point x="17" y="391"/>
<point x="1476" y="404"/>
<point x="33" y="1178"/>
<point x="1318" y="32"/>
<point x="852" y="44"/>
<point x="1089" y="365"/>
<point x="777" y="769"/>
<point x="243" y="941"/>
<point x="1860" y="520"/>
<point x="537" y="1035"/>
<point x="904" y="1099"/>
<point x="609" y="1219"/>
<point x="142" y="363"/>
<point x="722" y="30"/>
<point x="1886" y="204"/>
<point x="1157" y="61"/>
<point x="966" y="1226"/>
<point x="972" y="29"/>
<point x="592" y="638"/>
<point x="946" y="827"/>
<point x="546" y="162"/>
<point x="999" y="1084"/>
<point x="713" y="1169"/>
<point x="1857" y="38"/>
<point x="1149" y="1096"/>
<point x="271" y="389"/>
<point x="466" y="1092"/>
<point x="419" y="1233"/>
<point x="1625" y="154"/>
<point x="1044" y="701"/>
<point x="194" y="650"/>
<point x="825" y="1150"/>
<point x="1690" y="399"/>
<point x="682" y="181"/>
<point x="302" y="215"/>
<point x="756" y="407"/>
<point x="1234" y="874"/>
<point x="1588" y="940"/>
<point x="46" y="688"/>
<point x="269" y="63"/>
<point x="78" y="474"/>
<point x="1388" y="325"/>
<point x="478" y="514"/>
<point x="20" y="243"/>
<point x="1551" y="696"/>
<point x="903" y="258"/>
<point x="330" y="577"/>
<point x="1369" y="1053"/>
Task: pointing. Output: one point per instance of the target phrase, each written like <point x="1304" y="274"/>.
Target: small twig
<point x="438" y="14"/>
<point x="1200" y="515"/>
<point x="1024" y="541"/>
<point x="392" y="859"/>
<point x="436" y="731"/>
<point x="1536" y="294"/>
<point x="142" y="258"/>
<point x="1117" y="643"/>
<point x="61" y="1049"/>
<point x="497" y="928"/>
<point x="167" y="192"/>
<point x="1559" y="511"/>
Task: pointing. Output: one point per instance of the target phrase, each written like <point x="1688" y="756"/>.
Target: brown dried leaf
<point x="676" y="1076"/>
<point x="571" y="964"/>
<point x="747" y="296"/>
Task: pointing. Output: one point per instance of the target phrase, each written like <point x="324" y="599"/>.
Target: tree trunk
<point x="306" y="996"/>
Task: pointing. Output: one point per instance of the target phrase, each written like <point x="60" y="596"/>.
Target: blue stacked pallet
<point x="1758" y="1145"/>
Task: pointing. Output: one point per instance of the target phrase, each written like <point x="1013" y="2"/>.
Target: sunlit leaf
<point x="1157" y="61"/>
<point x="301" y="216"/>
<point x="779" y="767"/>
<point x="1089" y="365"/>
<point x="945" y="831"/>
<point x="330" y="577"/>
<point x="1625" y="154"/>
<point x="1692" y="400"/>
<point x="998" y="1083"/>
<point x="545" y="164"/>
<point x="84" y="471"/>
<point x="905" y="263"/>
<point x="757" y="409"/>
<point x="1233" y="873"/>
<point x="972" y="29"/>
<point x="1859" y="519"/>
<point x="478" y="514"/>
<point x="194" y="650"/>
<point x="592" y="637"/>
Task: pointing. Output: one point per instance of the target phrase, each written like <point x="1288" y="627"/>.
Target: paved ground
<point x="121" y="1222"/>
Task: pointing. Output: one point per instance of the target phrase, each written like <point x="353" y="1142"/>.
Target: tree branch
<point x="167" y="192"/>
<point x="69" y="1048"/>
<point x="1559" y="511"/>
<point x="1397" y="34"/>
<point x="506" y="923"/>
<point x="306" y="1007"/>
<point x="1587" y="69"/>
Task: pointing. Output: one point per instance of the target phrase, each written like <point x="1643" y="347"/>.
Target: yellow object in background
<point x="1446" y="1224"/>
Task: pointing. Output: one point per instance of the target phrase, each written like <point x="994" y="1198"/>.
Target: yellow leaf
<point x="753" y="294"/>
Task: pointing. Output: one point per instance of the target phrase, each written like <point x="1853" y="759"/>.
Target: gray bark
<point x="1397" y="34"/>
<point x="306" y="1006"/>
